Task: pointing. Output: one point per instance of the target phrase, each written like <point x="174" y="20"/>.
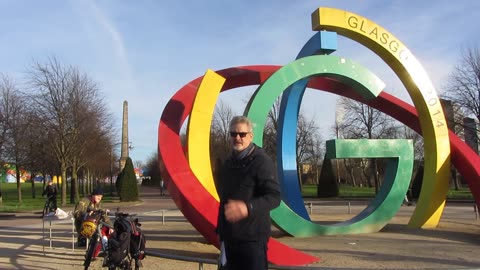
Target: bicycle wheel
<point x="137" y="263"/>
<point x="126" y="264"/>
<point x="91" y="249"/>
<point x="46" y="209"/>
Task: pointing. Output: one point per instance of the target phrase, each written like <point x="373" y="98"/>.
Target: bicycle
<point x="92" y="228"/>
<point x="50" y="206"/>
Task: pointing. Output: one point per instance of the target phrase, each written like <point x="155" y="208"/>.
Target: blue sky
<point x="144" y="51"/>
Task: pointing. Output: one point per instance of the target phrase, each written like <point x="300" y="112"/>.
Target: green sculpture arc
<point x="399" y="155"/>
<point x="395" y="186"/>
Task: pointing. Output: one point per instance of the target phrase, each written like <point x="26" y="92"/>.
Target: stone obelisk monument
<point x="124" y="149"/>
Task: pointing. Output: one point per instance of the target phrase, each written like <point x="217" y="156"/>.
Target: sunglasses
<point x="241" y="134"/>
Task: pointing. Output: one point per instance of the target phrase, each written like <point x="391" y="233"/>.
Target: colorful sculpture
<point x="191" y="181"/>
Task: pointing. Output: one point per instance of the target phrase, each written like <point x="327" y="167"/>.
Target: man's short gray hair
<point x="241" y="120"/>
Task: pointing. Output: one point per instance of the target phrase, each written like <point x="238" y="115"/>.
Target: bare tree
<point x="363" y="122"/>
<point x="463" y="87"/>
<point x="153" y="170"/>
<point x="219" y="133"/>
<point x="5" y="86"/>
<point x="39" y="158"/>
<point x="91" y="126"/>
<point x="309" y="145"/>
<point x="408" y="133"/>
<point x="463" y="97"/>
<point x="138" y="164"/>
<point x="308" y="141"/>
<point x="270" y="131"/>
<point x="15" y="124"/>
<point x="68" y="103"/>
<point x="51" y="85"/>
<point x="307" y="138"/>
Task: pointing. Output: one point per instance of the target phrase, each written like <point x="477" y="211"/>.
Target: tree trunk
<point x="84" y="185"/>
<point x="63" y="172"/>
<point x="1" y="197"/>
<point x="32" y="178"/>
<point x="89" y="183"/>
<point x="375" y="174"/>
<point x="73" y="188"/>
<point x="74" y="194"/>
<point x="350" y="170"/>
<point x="19" y="186"/>
<point x="300" y="174"/>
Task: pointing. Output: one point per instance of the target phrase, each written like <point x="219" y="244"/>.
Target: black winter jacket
<point x="50" y="191"/>
<point x="253" y="180"/>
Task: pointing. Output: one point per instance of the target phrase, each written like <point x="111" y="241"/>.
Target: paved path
<point x="453" y="245"/>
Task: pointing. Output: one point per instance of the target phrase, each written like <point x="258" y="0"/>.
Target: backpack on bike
<point x="128" y="240"/>
<point x="118" y="248"/>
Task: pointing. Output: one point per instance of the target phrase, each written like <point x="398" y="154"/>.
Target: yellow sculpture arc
<point x="432" y="119"/>
<point x="198" y="132"/>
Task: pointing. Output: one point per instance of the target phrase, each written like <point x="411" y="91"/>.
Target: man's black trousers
<point x="246" y="255"/>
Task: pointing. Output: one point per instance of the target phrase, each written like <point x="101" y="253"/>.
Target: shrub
<point x="327" y="183"/>
<point x="127" y="183"/>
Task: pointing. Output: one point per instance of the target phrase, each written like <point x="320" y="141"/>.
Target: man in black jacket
<point x="51" y="192"/>
<point x="248" y="188"/>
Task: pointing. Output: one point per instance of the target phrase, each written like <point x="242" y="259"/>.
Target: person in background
<point x="85" y="207"/>
<point x="162" y="187"/>
<point x="248" y="189"/>
<point x="51" y="192"/>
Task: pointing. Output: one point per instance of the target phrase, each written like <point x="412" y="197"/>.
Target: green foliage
<point x="327" y="183"/>
<point x="10" y="198"/>
<point x="460" y="194"/>
<point x="127" y="186"/>
<point x="153" y="170"/>
<point x="153" y="181"/>
<point x="118" y="182"/>
<point x="356" y="192"/>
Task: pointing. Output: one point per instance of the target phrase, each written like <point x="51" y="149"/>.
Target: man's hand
<point x="235" y="210"/>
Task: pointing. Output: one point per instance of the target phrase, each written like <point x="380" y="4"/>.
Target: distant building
<point x="464" y="127"/>
<point x="470" y="133"/>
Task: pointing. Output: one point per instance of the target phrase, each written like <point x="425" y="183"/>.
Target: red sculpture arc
<point x="200" y="208"/>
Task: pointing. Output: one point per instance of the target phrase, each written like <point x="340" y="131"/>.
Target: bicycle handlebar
<point x="124" y="215"/>
<point x="106" y="224"/>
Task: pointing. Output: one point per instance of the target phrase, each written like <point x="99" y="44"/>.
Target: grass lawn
<point x="10" y="197"/>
